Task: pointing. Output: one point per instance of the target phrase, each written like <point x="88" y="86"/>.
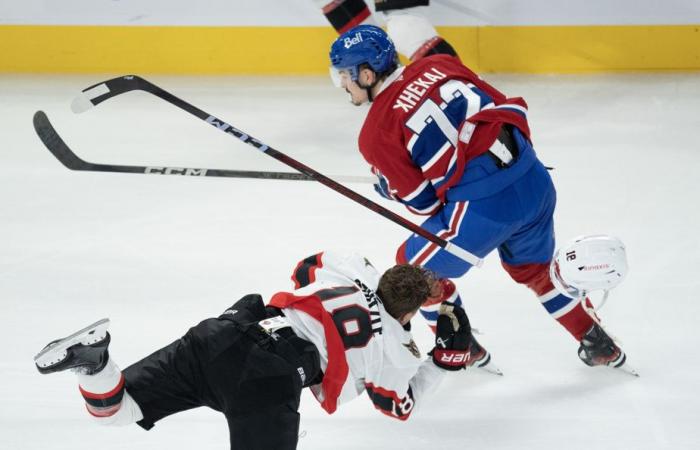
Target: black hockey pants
<point x="231" y="365"/>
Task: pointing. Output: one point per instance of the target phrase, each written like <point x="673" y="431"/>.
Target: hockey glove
<point x="382" y="185"/>
<point x="452" y="336"/>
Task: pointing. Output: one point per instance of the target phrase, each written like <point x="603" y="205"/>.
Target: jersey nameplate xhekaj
<point x="415" y="90"/>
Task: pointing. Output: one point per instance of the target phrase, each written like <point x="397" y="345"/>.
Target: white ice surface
<point x="157" y="254"/>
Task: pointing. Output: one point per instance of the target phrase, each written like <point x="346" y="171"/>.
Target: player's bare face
<point x="358" y="95"/>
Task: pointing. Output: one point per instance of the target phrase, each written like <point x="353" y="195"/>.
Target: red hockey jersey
<point x="427" y="122"/>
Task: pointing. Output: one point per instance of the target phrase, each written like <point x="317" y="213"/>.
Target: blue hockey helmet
<point x="363" y="44"/>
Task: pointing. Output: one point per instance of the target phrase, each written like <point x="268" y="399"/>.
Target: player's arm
<point x="399" y="178"/>
<point x="396" y="396"/>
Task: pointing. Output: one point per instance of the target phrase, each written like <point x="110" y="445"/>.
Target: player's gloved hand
<point x="452" y="336"/>
<point x="382" y="185"/>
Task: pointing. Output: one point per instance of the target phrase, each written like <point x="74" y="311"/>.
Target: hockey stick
<point x="98" y="93"/>
<point x="57" y="146"/>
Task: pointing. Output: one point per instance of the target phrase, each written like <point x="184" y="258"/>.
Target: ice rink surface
<point x="158" y="254"/>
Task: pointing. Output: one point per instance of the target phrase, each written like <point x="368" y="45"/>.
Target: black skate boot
<point x="598" y="349"/>
<point x="84" y="351"/>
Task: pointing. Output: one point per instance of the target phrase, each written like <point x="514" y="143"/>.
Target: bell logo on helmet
<point x="350" y="41"/>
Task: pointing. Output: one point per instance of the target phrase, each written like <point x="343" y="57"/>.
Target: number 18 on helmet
<point x="589" y="263"/>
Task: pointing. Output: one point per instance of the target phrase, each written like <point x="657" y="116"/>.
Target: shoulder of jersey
<point x="352" y="266"/>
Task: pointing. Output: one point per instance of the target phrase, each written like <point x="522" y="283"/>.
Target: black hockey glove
<point x="452" y="337"/>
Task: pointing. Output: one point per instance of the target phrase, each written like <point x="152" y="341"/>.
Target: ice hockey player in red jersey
<point x="449" y="146"/>
<point x="342" y="331"/>
<point x="406" y="24"/>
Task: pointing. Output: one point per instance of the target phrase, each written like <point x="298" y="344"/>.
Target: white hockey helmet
<point x="588" y="263"/>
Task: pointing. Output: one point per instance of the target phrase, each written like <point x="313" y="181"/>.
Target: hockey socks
<point x="103" y="392"/>
<point x="567" y="311"/>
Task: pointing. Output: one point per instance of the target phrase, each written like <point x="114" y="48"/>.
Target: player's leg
<point x="345" y="14"/>
<point x="527" y="253"/>
<point x="475" y="230"/>
<point x="101" y="383"/>
<point x="262" y="378"/>
<point x="166" y="382"/>
<point x="203" y="368"/>
<point x="526" y="256"/>
<point x="412" y="33"/>
<point x="274" y="427"/>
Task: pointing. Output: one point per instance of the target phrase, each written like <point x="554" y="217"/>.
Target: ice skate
<point x="598" y="349"/>
<point x="84" y="351"/>
<point x="480" y="358"/>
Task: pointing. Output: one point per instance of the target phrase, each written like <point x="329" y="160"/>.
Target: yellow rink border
<point x="303" y="50"/>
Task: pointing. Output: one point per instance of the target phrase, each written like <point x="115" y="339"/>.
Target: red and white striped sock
<point x="103" y="391"/>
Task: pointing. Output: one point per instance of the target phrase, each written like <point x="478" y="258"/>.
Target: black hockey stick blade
<point x="58" y="147"/>
<point x="55" y="144"/>
<point x="63" y="153"/>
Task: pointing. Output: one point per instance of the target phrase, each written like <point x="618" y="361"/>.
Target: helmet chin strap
<point x="369" y="88"/>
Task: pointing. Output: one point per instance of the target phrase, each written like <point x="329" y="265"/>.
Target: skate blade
<point x="627" y="369"/>
<point x="487" y="365"/>
<point x="57" y="351"/>
<point x="621" y="364"/>
<point x="491" y="368"/>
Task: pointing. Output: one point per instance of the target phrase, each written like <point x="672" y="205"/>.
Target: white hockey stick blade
<point x="57" y="351"/>
<point x="83" y="101"/>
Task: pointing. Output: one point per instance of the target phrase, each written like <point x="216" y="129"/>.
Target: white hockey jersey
<point x="362" y="347"/>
